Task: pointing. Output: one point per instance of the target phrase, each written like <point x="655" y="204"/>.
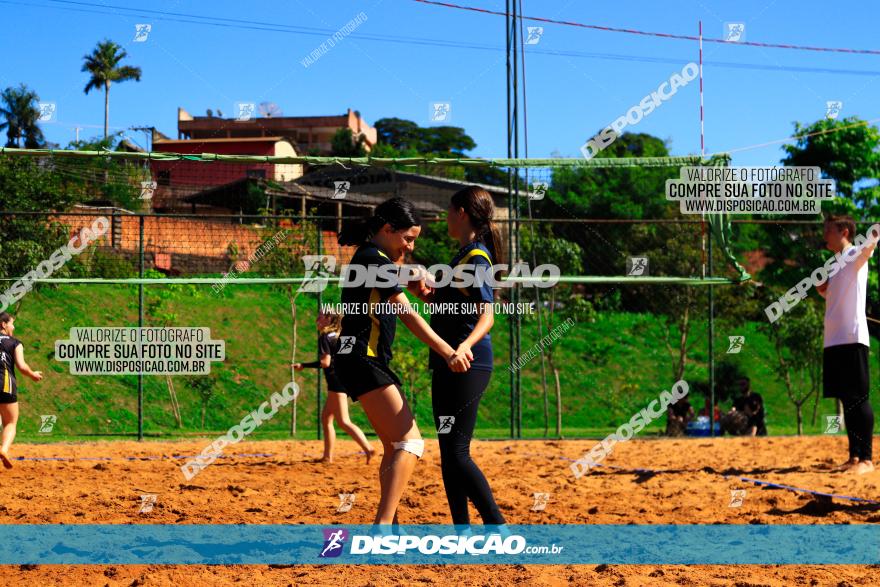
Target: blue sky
<point x="578" y="80"/>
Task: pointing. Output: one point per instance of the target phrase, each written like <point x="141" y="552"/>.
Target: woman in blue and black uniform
<point x="11" y="356"/>
<point x="458" y="394"/>
<point x="366" y="338"/>
<point x="329" y="326"/>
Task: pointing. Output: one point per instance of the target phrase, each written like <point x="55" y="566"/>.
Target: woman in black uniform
<point x="458" y="394"/>
<point x="329" y="325"/>
<point x="11" y="356"/>
<point x="383" y="240"/>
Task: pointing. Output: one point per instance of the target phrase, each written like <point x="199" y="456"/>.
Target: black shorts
<point x="8" y="388"/>
<point x="333" y="382"/>
<point x="845" y="371"/>
<point x="362" y="374"/>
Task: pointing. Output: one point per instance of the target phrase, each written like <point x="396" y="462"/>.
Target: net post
<point x="515" y="291"/>
<point x="511" y="113"/>
<point x="517" y="295"/>
<point x="711" y="345"/>
<point x="511" y="346"/>
<point x="514" y="324"/>
<point x="320" y="248"/>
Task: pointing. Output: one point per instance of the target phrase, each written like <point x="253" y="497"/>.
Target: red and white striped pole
<point x="702" y="154"/>
<point x="702" y="136"/>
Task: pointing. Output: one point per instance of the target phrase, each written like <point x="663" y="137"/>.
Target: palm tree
<point x="103" y="65"/>
<point x="17" y="107"/>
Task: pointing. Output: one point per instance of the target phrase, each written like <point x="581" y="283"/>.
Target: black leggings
<point x="458" y="395"/>
<point x="859" y="419"/>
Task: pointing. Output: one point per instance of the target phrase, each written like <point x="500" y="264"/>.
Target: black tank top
<point x="369" y="322"/>
<point x="328" y="344"/>
<point x="7" y="363"/>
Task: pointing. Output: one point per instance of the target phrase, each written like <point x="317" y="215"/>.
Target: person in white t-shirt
<point x="846" y="341"/>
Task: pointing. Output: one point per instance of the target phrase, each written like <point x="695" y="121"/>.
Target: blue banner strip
<point x="850" y="544"/>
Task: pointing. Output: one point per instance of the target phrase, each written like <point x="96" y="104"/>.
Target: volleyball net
<point x="218" y="241"/>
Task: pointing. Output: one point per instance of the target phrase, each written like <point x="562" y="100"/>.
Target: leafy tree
<point x="21" y="113"/>
<point x="160" y="312"/>
<point x="434" y="244"/>
<point x="542" y="246"/>
<point x="447" y="140"/>
<point x="205" y="386"/>
<point x="405" y="136"/>
<point x="490" y="176"/>
<point x="673" y="253"/>
<point x="102" y="64"/>
<point x="399" y="134"/>
<point x="46" y="185"/>
<point x="345" y="144"/>
<point x="383" y="150"/>
<point x="613" y="193"/>
<point x="796" y="340"/>
<point x="632" y="193"/>
<point x="104" y="178"/>
<point x="846" y="150"/>
<point x="29" y="184"/>
<point x="399" y="138"/>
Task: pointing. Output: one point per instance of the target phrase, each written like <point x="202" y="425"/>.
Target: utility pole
<point x="148" y="133"/>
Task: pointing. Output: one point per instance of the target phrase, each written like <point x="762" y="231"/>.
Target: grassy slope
<point x="609" y="369"/>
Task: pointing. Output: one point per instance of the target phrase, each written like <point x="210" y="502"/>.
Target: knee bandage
<point x="415" y="446"/>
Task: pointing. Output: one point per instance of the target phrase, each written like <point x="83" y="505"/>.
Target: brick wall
<point x="191" y="245"/>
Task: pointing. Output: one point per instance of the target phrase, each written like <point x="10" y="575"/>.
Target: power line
<point x="238" y="21"/>
<point x="654" y="34"/>
<point x="801" y="136"/>
<point x="309" y="31"/>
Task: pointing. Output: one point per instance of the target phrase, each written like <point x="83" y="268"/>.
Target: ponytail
<point x="399" y="213"/>
<point x="490" y="236"/>
<point x="478" y="205"/>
